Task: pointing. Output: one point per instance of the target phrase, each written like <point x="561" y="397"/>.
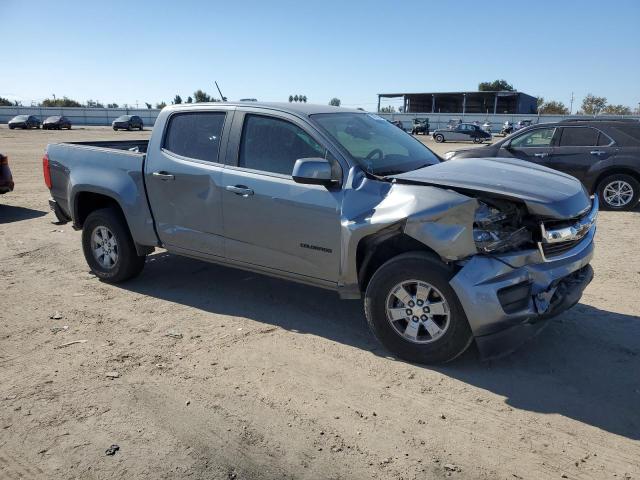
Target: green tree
<point x="59" y="102"/>
<point x="553" y="108"/>
<point x="616" y="110"/>
<point x="200" y="96"/>
<point x="161" y="105"/>
<point x="149" y="106"/>
<point x="290" y="98"/>
<point x="93" y="104"/>
<point x="303" y="98"/>
<point x="335" y="102"/>
<point x="112" y="105"/>
<point x="177" y="100"/>
<point x="592" y="105"/>
<point x="189" y="99"/>
<point x="495" y="86"/>
<point x="295" y="98"/>
<point x="539" y="102"/>
<point x="5" y="102"/>
<point x="388" y="109"/>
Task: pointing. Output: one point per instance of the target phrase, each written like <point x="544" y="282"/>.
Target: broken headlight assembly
<point x="498" y="227"/>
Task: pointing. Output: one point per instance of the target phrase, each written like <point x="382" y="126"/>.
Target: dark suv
<point x="603" y="154"/>
<point x="127" y="122"/>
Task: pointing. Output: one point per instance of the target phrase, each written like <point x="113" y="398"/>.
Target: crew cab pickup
<point x="443" y="253"/>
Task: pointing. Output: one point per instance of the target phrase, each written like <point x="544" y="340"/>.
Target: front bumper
<point x="507" y="297"/>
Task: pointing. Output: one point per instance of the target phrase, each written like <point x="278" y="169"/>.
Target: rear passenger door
<point x="269" y="220"/>
<point x="183" y="178"/>
<point x="581" y="149"/>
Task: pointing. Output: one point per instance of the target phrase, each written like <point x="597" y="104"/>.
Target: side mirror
<point x="313" y="171"/>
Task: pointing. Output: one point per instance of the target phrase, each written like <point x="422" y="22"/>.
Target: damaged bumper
<point x="507" y="297"/>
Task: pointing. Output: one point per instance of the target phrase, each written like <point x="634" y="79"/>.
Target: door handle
<point x="241" y="190"/>
<point x="540" y="155"/>
<point x="164" y="176"/>
<point x="597" y="152"/>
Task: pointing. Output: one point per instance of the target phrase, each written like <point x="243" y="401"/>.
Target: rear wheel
<point x="108" y="247"/>
<point x="439" y="138"/>
<point x="414" y="312"/>
<point x="619" y="192"/>
<point x="478" y="140"/>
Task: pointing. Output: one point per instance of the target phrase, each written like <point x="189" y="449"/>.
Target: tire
<point x="141" y="127"/>
<point x="129" y="128"/>
<point x="439" y="138"/>
<point x="10" y="127"/>
<point x="455" y="336"/>
<point x="478" y="140"/>
<point x="627" y="185"/>
<point x="128" y="263"/>
<point x="115" y="129"/>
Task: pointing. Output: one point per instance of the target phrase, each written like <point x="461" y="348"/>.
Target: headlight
<point x="449" y="155"/>
<point x="497" y="231"/>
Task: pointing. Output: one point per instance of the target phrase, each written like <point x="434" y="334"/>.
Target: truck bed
<point x="113" y="169"/>
<point x="138" y="146"/>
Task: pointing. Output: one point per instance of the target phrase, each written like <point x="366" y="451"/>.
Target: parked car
<point x="24" y="121"/>
<point x="603" y="154"/>
<point x="56" y="122"/>
<point x="6" y="180"/>
<point x="397" y="123"/>
<point x="420" y="126"/>
<point x="127" y="122"/>
<point x="486" y="126"/>
<point x="507" y="128"/>
<point x="522" y="124"/>
<point x="444" y="254"/>
<point x="464" y="132"/>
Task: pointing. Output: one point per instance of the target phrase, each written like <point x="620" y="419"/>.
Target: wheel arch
<point x="614" y="171"/>
<point x="86" y="201"/>
<point x="376" y="249"/>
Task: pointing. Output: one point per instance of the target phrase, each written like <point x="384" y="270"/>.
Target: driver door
<point x="534" y="145"/>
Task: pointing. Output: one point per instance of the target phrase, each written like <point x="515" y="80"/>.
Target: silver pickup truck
<point x="444" y="253"/>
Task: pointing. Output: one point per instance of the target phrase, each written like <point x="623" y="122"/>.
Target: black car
<point x="24" y="121"/>
<point x="127" y="122"/>
<point x="603" y="154"/>
<point x="56" y="122"/>
<point x="420" y="126"/>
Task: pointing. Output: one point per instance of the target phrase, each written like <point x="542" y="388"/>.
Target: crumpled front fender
<point x="440" y="219"/>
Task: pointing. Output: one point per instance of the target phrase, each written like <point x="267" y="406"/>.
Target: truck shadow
<point x="9" y="213"/>
<point x="584" y="366"/>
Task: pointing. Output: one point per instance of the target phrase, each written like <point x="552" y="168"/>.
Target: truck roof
<point x="304" y="109"/>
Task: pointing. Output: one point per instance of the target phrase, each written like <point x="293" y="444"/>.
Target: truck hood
<point x="545" y="192"/>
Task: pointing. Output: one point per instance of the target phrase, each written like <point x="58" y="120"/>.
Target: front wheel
<point x="439" y="138"/>
<point x="619" y="192"/>
<point x="478" y="140"/>
<point x="108" y="247"/>
<point x="414" y="312"/>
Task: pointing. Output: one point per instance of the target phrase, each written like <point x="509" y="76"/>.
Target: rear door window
<point x="579" y="137"/>
<point x="195" y="135"/>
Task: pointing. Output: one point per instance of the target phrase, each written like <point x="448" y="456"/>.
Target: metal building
<point x="466" y="102"/>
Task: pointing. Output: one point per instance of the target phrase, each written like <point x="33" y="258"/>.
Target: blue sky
<point x="128" y="51"/>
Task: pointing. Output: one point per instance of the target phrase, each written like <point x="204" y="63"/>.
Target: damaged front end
<point x="517" y="263"/>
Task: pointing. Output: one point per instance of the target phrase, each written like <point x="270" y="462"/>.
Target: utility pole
<point x="571" y="107"/>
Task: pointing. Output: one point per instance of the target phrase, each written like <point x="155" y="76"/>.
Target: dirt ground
<point x="223" y="374"/>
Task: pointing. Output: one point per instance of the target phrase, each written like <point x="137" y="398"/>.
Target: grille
<point x="554" y="249"/>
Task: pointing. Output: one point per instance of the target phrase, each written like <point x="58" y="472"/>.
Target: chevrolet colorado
<point x="444" y="253"/>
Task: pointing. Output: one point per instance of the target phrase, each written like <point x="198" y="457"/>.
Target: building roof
<point x="499" y="92"/>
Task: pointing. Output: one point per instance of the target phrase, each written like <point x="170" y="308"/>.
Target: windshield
<point x="21" y="118"/>
<point x="52" y="119"/>
<point x="376" y="145"/>
<point x="123" y="118"/>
